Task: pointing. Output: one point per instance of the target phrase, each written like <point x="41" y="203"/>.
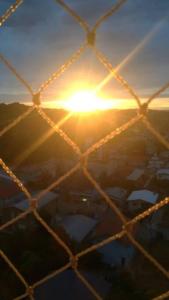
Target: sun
<point x="85" y="101"/>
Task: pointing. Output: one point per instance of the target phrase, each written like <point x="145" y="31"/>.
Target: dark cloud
<point x="31" y="13"/>
<point x="144" y="10"/>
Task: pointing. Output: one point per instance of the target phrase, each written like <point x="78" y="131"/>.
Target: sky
<point x="40" y="36"/>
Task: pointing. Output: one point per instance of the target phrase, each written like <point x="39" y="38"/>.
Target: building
<point x="136" y="175"/>
<point x="35" y="171"/>
<point x="98" y="168"/>
<point x="163" y="174"/>
<point x="117" y="194"/>
<point x="108" y="225"/>
<point x="155" y="163"/>
<point x="159" y="223"/>
<point x="9" y="192"/>
<point x="155" y="226"/>
<point x="84" y="203"/>
<point x="47" y="203"/>
<point x="39" y="175"/>
<point x="68" y="285"/>
<point x="77" y="226"/>
<point x="140" y="199"/>
<point x="117" y="254"/>
<point x="82" y="195"/>
<point x="137" y="160"/>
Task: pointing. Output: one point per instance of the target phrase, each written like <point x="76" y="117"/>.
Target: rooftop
<point x="114" y="252"/>
<point x="78" y="226"/>
<point x="67" y="285"/>
<point x="163" y="171"/>
<point x="136" y="174"/>
<point x="116" y="192"/>
<point x="24" y="204"/>
<point x="145" y="195"/>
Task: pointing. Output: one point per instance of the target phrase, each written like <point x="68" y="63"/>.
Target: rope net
<point x="90" y="42"/>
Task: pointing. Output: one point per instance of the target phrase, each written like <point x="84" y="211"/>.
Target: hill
<point x="84" y="129"/>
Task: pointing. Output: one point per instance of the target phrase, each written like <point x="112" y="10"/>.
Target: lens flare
<point x="85" y="101"/>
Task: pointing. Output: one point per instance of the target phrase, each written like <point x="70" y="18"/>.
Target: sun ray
<point x="140" y="46"/>
<point x="24" y="155"/>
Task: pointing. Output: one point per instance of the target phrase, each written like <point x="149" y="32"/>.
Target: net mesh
<point x="126" y="230"/>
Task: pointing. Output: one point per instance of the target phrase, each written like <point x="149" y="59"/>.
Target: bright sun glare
<point x="85" y="101"/>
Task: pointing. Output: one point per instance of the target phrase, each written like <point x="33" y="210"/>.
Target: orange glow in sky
<point x="85" y="101"/>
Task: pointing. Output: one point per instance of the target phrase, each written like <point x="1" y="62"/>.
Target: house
<point x="81" y="195"/>
<point x="117" y="194"/>
<point x="141" y="199"/>
<point x="117" y="253"/>
<point x="84" y="203"/>
<point x="159" y="223"/>
<point x="9" y="213"/>
<point x="155" y="226"/>
<point x="108" y="225"/>
<point x="68" y="285"/>
<point x="163" y="174"/>
<point x="9" y="191"/>
<point x="155" y="163"/>
<point x="32" y="172"/>
<point x="77" y="226"/>
<point x="165" y="156"/>
<point x="135" y="175"/>
<point x="137" y="160"/>
<point x="98" y="167"/>
<point x="47" y="203"/>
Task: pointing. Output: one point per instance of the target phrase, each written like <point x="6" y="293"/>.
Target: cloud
<point x="145" y="10"/>
<point x="31" y="13"/>
<point x="40" y="35"/>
